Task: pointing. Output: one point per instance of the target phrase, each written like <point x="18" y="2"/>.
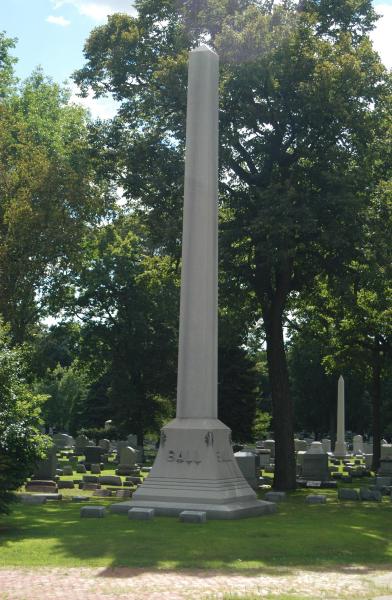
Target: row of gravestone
<point x="46" y="468"/>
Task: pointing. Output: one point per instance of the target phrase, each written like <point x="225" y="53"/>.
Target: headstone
<point x="81" y="443"/>
<point x="108" y="424"/>
<point x="93" y="454"/>
<point x="326" y="444"/>
<point x="93" y="511"/>
<point x="95" y="469"/>
<point x="386" y="451"/>
<point x="102" y="493"/>
<point x="81" y="469"/>
<point x="45" y="487"/>
<point x="193" y="516"/>
<point x="368" y="495"/>
<point x="105" y="445"/>
<point x="264" y="455"/>
<point x="110" y="480"/>
<point x="275" y="496"/>
<point x="123" y="493"/>
<point x="316" y="448"/>
<point x="66" y="485"/>
<point x="315" y="467"/>
<point x="357" y="444"/>
<point x="385" y="467"/>
<point x="63" y="440"/>
<point x="340" y="445"/>
<point x="270" y="445"/>
<point x="247" y="463"/>
<point x="67" y="470"/>
<point x="90" y="478"/>
<point x="80" y="498"/>
<point x="368" y="460"/>
<point x="29" y="499"/>
<point x="316" y="499"/>
<point x="46" y="468"/>
<point x="132" y="440"/>
<point x="383" y="481"/>
<point x="300" y="445"/>
<point x="348" y="494"/>
<point x="127" y="457"/>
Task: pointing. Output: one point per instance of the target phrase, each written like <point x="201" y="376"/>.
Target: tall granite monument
<point x="195" y="468"/>
<point x="340" y="445"/>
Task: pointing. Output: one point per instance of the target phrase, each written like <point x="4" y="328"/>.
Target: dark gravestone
<point x="93" y="454"/>
<point x="46" y="468"/>
<point x="315" y="467"/>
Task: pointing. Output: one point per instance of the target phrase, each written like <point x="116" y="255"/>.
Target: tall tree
<point x="49" y="195"/>
<point x="301" y="91"/>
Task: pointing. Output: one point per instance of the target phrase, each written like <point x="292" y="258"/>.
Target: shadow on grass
<point x="298" y="536"/>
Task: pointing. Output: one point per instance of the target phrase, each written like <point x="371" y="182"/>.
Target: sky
<point x="51" y="33"/>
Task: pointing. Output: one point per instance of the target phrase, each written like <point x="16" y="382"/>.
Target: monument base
<point x="340" y="450"/>
<point x="195" y="469"/>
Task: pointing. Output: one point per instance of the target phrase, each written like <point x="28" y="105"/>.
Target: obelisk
<point x="195" y="468"/>
<point x="340" y="445"/>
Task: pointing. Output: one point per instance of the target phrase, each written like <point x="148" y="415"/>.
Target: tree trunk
<point x="282" y="405"/>
<point x="376" y="405"/>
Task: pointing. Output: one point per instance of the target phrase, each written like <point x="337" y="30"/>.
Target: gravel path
<point x="139" y="584"/>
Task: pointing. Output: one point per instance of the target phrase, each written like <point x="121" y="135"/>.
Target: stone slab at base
<point x="195" y="469"/>
<point x="193" y="516"/>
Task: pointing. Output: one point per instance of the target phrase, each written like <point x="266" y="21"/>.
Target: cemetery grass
<point x="297" y="536"/>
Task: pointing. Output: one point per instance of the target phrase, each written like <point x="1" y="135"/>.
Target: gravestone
<point x="264" y="457"/>
<point x="81" y="443"/>
<point x="247" y="462"/>
<point x="270" y="445"/>
<point x="368" y="460"/>
<point x="63" y="440"/>
<point x="386" y="451"/>
<point x="316" y="448"/>
<point x="357" y="444"/>
<point x="348" y="494"/>
<point x="108" y="424"/>
<point x="300" y="445"/>
<point x="315" y="467"/>
<point x="132" y="440"/>
<point x="67" y="470"/>
<point x="326" y="444"/>
<point x="46" y="468"/>
<point x="105" y="445"/>
<point x="385" y="467"/>
<point x="93" y="454"/>
<point x="127" y="456"/>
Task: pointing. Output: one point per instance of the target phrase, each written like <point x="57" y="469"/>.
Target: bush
<point x="22" y="444"/>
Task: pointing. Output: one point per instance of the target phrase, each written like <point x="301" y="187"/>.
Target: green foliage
<point x="127" y="297"/>
<point x="48" y="185"/>
<point x="66" y="389"/>
<point x="7" y="78"/>
<point x="21" y="442"/>
<point x="100" y="433"/>
<point x="261" y="424"/>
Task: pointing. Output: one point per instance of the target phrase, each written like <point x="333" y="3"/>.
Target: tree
<point x="301" y="92"/>
<point x="21" y="442"/>
<point x="49" y="195"/>
<point x="127" y="300"/>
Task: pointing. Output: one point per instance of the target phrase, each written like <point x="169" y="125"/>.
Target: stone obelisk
<point x="340" y="445"/>
<point x="195" y="468"/>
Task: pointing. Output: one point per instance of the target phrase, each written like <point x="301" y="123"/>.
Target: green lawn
<point x="298" y="535"/>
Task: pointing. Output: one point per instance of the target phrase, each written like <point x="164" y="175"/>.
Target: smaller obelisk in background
<point x="340" y="445"/>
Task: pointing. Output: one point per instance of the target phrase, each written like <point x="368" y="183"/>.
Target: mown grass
<point x="299" y="535"/>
